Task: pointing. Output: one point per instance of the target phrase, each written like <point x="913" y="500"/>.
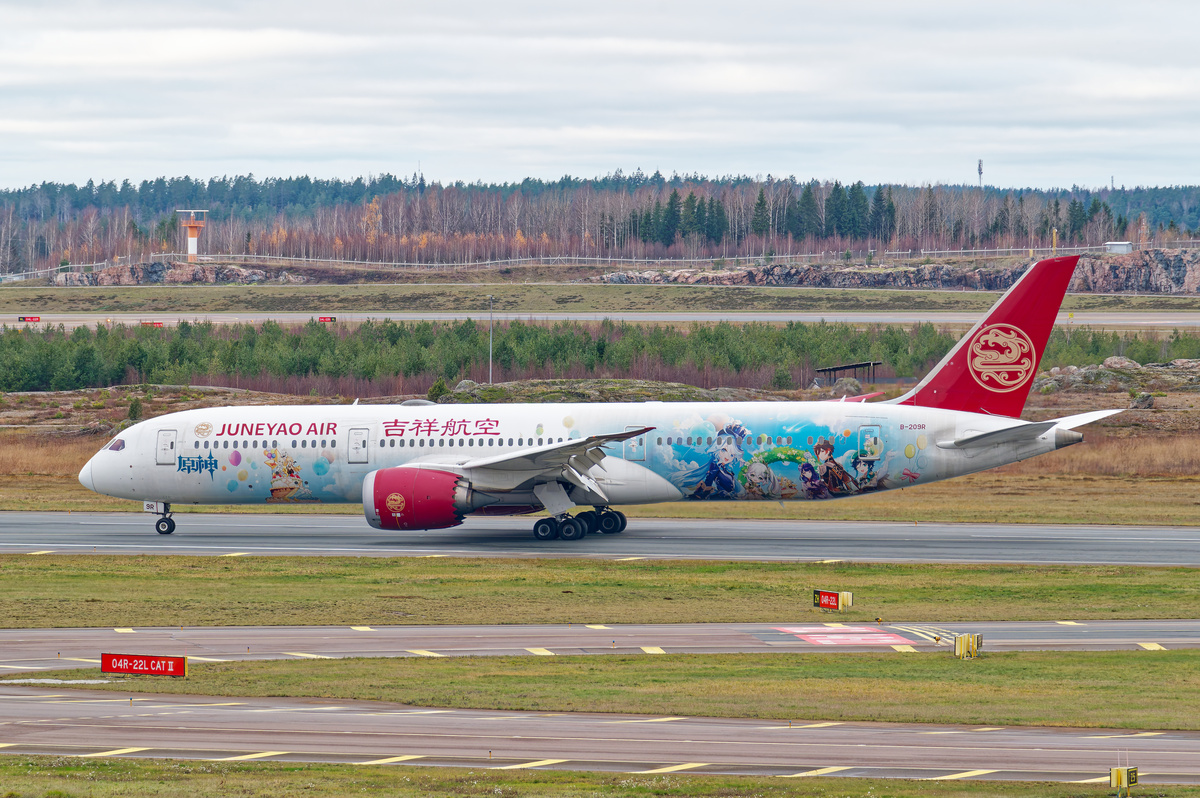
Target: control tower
<point x="194" y="221"/>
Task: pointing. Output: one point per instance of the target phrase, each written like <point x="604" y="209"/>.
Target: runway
<point x="98" y="724"/>
<point x="32" y="650"/>
<point x="786" y="541"/>
<point x="1159" y="319"/>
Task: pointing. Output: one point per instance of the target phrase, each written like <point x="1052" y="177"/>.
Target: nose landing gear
<point x="165" y="524"/>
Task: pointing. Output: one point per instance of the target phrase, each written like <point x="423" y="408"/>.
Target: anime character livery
<point x="418" y="465"/>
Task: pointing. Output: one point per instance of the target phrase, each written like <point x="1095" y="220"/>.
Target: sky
<point x="1047" y="94"/>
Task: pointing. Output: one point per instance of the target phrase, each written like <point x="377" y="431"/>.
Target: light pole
<point x="489" y="339"/>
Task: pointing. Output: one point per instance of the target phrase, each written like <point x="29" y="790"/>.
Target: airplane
<point x="420" y="465"/>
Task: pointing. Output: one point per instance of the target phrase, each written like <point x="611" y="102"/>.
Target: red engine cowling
<point x="412" y="497"/>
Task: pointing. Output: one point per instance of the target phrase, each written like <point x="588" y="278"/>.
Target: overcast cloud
<point x="1047" y="94"/>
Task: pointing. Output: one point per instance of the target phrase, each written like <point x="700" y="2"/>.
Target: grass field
<point x="63" y="777"/>
<point x="1027" y="688"/>
<point x="525" y="298"/>
<point x="108" y="591"/>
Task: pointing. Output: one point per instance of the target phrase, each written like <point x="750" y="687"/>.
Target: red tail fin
<point x="992" y="367"/>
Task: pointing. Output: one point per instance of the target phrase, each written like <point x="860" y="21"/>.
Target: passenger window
<point x="333" y="444"/>
<point x="660" y="441"/>
<point x="206" y="444"/>
<point x="225" y="445"/>
<point x="197" y="446"/>
<point x="539" y="441"/>
<point x="295" y="444"/>
<point x="441" y="442"/>
<point x="274" y="443"/>
<point x="303" y="444"/>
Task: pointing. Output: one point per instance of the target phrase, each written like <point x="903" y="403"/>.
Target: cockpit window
<point x="116" y="445"/>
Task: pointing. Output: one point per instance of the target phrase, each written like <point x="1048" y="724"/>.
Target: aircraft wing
<point x="582" y="452"/>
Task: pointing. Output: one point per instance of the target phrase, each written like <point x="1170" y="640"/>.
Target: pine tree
<point x="671" y="218"/>
<point x="700" y="222"/>
<point x="718" y="220"/>
<point x="760" y="222"/>
<point x="835" y="211"/>
<point x="687" y="219"/>
<point x="808" y="221"/>
<point x="856" y="211"/>
<point x="890" y="217"/>
<point x="875" y="220"/>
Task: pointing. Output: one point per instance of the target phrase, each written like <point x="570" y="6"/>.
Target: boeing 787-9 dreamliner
<point x="419" y="465"/>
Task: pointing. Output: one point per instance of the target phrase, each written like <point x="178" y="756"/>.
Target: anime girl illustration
<point x="763" y="483"/>
<point x="831" y="471"/>
<point x="719" y="480"/>
<point x="812" y="484"/>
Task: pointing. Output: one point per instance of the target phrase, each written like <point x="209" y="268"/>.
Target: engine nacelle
<point x="415" y="497"/>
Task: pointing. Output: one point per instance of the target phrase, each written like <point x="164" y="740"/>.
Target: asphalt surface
<point x="29" y="650"/>
<point x="1165" y="319"/>
<point x="103" y="724"/>
<point x="796" y="541"/>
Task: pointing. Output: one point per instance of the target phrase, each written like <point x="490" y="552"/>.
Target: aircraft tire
<point x="164" y="526"/>
<point x="570" y="529"/>
<point x="609" y="523"/>
<point x="624" y="522"/>
<point x="590" y="521"/>
<point x="545" y="529"/>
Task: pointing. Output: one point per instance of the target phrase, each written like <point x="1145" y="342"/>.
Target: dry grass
<point x="1051" y="688"/>
<point x="46" y="455"/>
<point x="110" y="591"/>
<point x="1168" y="455"/>
<point x="39" y="776"/>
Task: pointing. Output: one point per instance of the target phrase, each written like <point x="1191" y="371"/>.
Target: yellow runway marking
<point x="1119" y="736"/>
<point x="644" y="720"/>
<point x="302" y="655"/>
<point x="817" y="772"/>
<point x="653" y="650"/>
<point x="805" y="725"/>
<point x="420" y="652"/>
<point x="116" y="752"/>
<point x="81" y="659"/>
<point x="362" y="628"/>
<point x="905" y="649"/>
<point x="1070" y="623"/>
<point x="244" y="757"/>
<point x="1152" y="646"/>
<point x="390" y="759"/>
<point x="236" y="554"/>
<point x="596" y="626"/>
<point x="7" y="745"/>
<point x="1091" y="781"/>
<point x="627" y="559"/>
<point x="917" y="632"/>
<point x="124" y="631"/>
<point x="944" y="732"/>
<point x="21" y="667"/>
<point x="536" y="764"/>
<point x="673" y="768"/>
<point x="966" y="774"/>
<point x="827" y="561"/>
<point x="431" y="556"/>
<point x="990" y="728"/>
<point x="32" y="553"/>
<point x="208" y="659"/>
<point x="541" y="652"/>
<point x="834" y="625"/>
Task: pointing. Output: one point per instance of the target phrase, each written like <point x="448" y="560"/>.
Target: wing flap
<point x="555" y="455"/>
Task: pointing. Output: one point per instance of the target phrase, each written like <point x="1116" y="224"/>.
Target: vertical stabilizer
<point x="992" y="367"/>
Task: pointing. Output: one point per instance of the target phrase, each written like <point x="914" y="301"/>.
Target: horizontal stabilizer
<point x="1026" y="431"/>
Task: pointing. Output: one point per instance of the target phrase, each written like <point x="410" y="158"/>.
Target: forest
<point x="389" y="358"/>
<point x="408" y="220"/>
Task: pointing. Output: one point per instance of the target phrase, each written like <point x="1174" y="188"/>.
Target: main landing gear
<point x="603" y="521"/>
<point x="165" y="524"/>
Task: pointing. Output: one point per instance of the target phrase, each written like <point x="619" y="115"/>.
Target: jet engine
<point x="416" y="497"/>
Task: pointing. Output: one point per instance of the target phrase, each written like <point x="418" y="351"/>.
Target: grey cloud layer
<point x="1047" y="95"/>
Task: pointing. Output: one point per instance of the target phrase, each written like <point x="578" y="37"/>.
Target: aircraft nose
<point x="85" y="476"/>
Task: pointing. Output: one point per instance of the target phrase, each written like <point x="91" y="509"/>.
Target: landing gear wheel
<point x="164" y="526"/>
<point x="545" y="529"/>
<point x="624" y="521"/>
<point x="610" y="524"/>
<point x="570" y="529"/>
<point x="591" y="521"/>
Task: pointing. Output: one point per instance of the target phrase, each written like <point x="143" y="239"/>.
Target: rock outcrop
<point x="176" y="273"/>
<point x="1156" y="271"/>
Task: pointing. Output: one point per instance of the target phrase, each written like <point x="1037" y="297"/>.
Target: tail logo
<point x="1001" y="358"/>
<point x="395" y="503"/>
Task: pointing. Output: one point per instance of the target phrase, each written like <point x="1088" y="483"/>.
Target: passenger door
<point x="165" y="448"/>
<point x="358" y="451"/>
<point x="635" y="448"/>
